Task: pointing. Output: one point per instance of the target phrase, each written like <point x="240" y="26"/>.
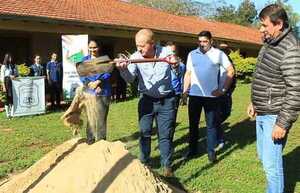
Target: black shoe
<point x="51" y="108"/>
<point x="58" y="107"/>
<point x="90" y="141"/>
<point x="189" y="155"/>
<point x="212" y="157"/>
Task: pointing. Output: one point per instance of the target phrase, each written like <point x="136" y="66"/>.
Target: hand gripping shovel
<point x="104" y="64"/>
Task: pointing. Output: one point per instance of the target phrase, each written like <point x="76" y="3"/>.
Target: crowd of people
<point x="161" y="85"/>
<point x="52" y="70"/>
<point x="53" y="73"/>
<point x="207" y="81"/>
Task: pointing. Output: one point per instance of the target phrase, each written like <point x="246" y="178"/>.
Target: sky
<point x="259" y="4"/>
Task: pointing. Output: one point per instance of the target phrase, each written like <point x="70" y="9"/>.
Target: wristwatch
<point x="224" y="90"/>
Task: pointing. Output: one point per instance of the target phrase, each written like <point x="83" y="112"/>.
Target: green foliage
<point x="23" y="70"/>
<point x="225" y="14"/>
<point x="244" y="66"/>
<point x="132" y="89"/>
<point x="177" y="7"/>
<point x="2" y="94"/>
<point x="244" y="15"/>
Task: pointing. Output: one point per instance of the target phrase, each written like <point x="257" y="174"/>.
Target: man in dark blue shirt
<point x="177" y="75"/>
<point x="54" y="77"/>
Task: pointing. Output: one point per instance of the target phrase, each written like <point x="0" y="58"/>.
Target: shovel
<point x="104" y="64"/>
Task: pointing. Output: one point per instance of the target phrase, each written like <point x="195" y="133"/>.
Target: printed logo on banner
<point x="28" y="95"/>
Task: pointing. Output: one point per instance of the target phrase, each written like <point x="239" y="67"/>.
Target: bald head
<point x="225" y="48"/>
<point x="144" y="40"/>
<point x="146" y="35"/>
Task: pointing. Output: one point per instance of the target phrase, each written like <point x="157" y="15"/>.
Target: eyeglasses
<point x="93" y="48"/>
<point x="203" y="41"/>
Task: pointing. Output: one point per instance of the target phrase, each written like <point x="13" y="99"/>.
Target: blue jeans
<point x="270" y="153"/>
<point x="210" y="105"/>
<point x="163" y="111"/>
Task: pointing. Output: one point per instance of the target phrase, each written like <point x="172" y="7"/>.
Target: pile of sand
<point x="75" y="167"/>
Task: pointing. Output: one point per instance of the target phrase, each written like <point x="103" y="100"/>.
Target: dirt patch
<point x="76" y="167"/>
<point x="6" y="130"/>
<point x="3" y="162"/>
<point x="34" y="145"/>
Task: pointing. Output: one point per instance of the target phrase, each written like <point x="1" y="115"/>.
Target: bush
<point x="23" y="70"/>
<point x="2" y="97"/>
<point x="244" y="67"/>
<point x="132" y="89"/>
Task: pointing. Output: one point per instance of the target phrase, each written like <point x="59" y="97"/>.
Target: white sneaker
<point x="12" y="112"/>
<point x="7" y="111"/>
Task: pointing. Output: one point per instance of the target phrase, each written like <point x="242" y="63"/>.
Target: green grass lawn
<point x="25" y="140"/>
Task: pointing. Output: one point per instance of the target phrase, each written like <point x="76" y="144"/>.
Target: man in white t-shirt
<point x="202" y="83"/>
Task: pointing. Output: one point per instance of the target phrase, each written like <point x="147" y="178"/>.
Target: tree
<point x="294" y="17"/>
<point x="226" y="14"/>
<point x="244" y="15"/>
<point x="177" y="7"/>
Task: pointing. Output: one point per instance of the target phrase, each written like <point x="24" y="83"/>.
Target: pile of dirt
<point x="75" y="167"/>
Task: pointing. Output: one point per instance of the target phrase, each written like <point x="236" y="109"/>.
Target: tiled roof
<point x="122" y="14"/>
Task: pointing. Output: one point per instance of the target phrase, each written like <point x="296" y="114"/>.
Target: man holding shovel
<point x="157" y="97"/>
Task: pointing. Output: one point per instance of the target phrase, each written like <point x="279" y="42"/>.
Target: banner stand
<point x="28" y="96"/>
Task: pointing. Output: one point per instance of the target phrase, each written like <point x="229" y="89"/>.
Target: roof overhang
<point x="35" y="23"/>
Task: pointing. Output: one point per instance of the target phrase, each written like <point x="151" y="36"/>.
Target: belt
<point x="267" y="113"/>
<point x="161" y="99"/>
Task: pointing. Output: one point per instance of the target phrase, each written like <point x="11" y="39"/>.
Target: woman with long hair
<point x="9" y="71"/>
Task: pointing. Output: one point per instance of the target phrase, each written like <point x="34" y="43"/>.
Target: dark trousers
<point x="163" y="111"/>
<point x="121" y="90"/>
<point x="9" y="92"/>
<point x="224" y="111"/>
<point x="177" y="101"/>
<point x="210" y="105"/>
<point x="55" y="92"/>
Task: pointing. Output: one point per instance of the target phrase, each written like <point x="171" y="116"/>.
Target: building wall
<point x="15" y="43"/>
<point x="44" y="44"/>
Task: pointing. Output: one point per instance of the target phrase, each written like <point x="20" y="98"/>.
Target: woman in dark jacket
<point x="9" y="71"/>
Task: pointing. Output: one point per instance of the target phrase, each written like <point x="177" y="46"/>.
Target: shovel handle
<point x="144" y="60"/>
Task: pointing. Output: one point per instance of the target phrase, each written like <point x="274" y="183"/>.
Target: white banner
<point x="28" y="96"/>
<point x="74" y="48"/>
